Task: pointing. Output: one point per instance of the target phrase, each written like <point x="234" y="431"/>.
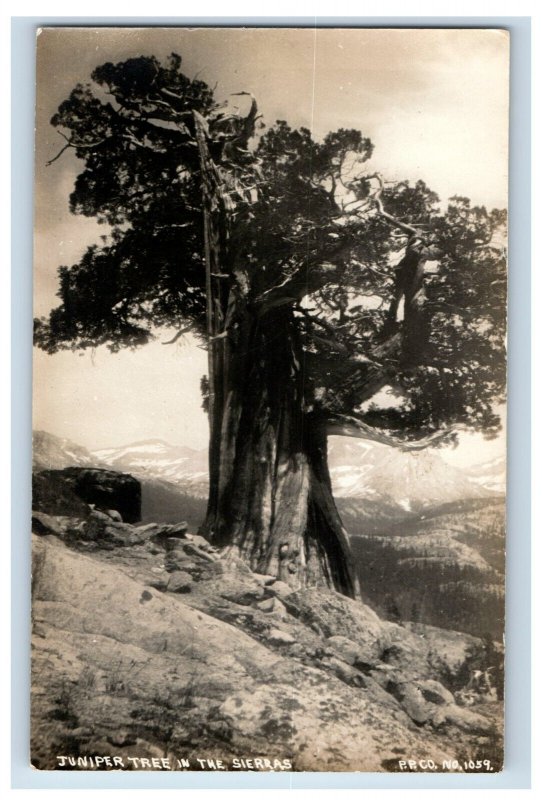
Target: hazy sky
<point x="433" y="102"/>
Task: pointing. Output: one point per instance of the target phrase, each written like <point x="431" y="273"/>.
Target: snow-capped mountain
<point x="410" y="481"/>
<point x="368" y="479"/>
<point x="154" y="458"/>
<point x="491" y="474"/>
<point x="53" y="452"/>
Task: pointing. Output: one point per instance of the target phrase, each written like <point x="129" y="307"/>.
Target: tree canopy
<point x="302" y="224"/>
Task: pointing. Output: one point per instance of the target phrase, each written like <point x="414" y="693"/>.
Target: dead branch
<point x="75" y="145"/>
<point x="178" y="335"/>
<point x="341" y="425"/>
<point x="377" y="199"/>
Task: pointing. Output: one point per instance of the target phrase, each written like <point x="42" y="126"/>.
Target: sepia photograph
<point x="269" y="399"/>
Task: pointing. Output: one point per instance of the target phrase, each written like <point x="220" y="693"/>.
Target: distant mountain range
<point x="52" y="452"/>
<point x="153" y="462"/>
<point x="491" y="474"/>
<point x="380" y="483"/>
<point x="154" y="458"/>
<point x="427" y="537"/>
<point x="413" y="479"/>
<point x="370" y="481"/>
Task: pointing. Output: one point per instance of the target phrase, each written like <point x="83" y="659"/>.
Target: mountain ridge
<point x="378" y="480"/>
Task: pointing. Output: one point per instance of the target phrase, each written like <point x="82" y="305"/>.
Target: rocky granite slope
<point x="148" y="645"/>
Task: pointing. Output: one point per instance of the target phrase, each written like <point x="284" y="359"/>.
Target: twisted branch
<point x="75" y="145"/>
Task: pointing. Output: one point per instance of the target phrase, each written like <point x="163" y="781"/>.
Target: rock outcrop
<point x="63" y="491"/>
<point x="146" y="644"/>
<point x="52" y="494"/>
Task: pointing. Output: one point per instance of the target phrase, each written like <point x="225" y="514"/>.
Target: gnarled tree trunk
<point x="270" y="495"/>
<point x="270" y="498"/>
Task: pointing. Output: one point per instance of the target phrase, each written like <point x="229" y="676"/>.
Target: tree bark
<point x="270" y="498"/>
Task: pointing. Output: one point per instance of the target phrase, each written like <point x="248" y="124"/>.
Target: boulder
<point x="267" y="605"/>
<point x="149" y="529"/>
<point x="240" y="591"/>
<point x="44" y="524"/>
<point x="103" y="488"/>
<point x="413" y="702"/>
<point x="352" y="653"/>
<point x="272" y="605"/>
<point x="172" y="544"/>
<point x="422" y="700"/>
<point x="100" y="528"/>
<point x="143" y="535"/>
<point x="53" y="495"/>
<point x="278" y="636"/>
<point x="163" y="532"/>
<point x="193" y="550"/>
<point x="265" y="580"/>
<point x="160" y="583"/>
<point x="462" y="718"/>
<point x="435" y="692"/>
<point x="331" y="614"/>
<point x="201" y="542"/>
<point x="344" y="672"/>
<point x="177" y="559"/>
<point x="180" y="582"/>
<point x="279" y="588"/>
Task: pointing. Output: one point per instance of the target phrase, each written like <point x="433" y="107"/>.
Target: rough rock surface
<point x="51" y="494"/>
<point x="124" y="664"/>
<point x="105" y="489"/>
<point x="179" y="581"/>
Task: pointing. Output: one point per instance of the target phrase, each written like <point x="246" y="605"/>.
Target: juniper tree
<point x="305" y="274"/>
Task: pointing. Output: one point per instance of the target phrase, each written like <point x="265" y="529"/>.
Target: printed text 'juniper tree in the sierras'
<point x="313" y="283"/>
